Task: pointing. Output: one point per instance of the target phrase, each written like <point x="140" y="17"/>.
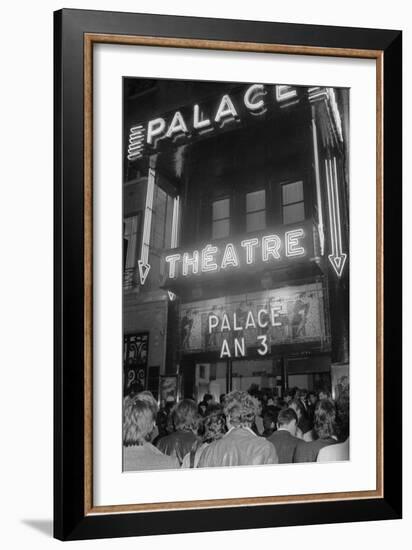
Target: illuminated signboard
<point x="196" y="120"/>
<point x="232" y="325"/>
<point x="270" y="249"/>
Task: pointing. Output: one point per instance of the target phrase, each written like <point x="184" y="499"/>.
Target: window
<point x="293" y="205"/>
<point x="220" y="218"/>
<point x="256" y="210"/>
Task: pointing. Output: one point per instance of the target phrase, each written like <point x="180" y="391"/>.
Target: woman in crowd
<point x="185" y="420"/>
<point x="138" y="425"/>
<point x="240" y="446"/>
<point x="325" y="430"/>
<point x="214" y="428"/>
<point x="304" y="429"/>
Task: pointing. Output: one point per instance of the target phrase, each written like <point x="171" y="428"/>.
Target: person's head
<point x="213" y="408"/>
<point x="297" y="406"/>
<point x="240" y="409"/>
<point x="324" y="394"/>
<point x="207" y="398"/>
<point x="325" y="419"/>
<point x="312" y="398"/>
<point x="269" y="418"/>
<point x="185" y="416"/>
<point x="222" y="398"/>
<point x="287" y="420"/>
<point x="148" y="397"/>
<point x="214" y="424"/>
<point x="288" y="397"/>
<point x="138" y="422"/>
<point x="303" y="394"/>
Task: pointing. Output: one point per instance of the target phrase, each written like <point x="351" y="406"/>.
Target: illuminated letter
<point x="292" y="242"/>
<point x="155" y="128"/>
<point x="193" y="261"/>
<point x="250" y="321"/>
<point x="270" y="247"/>
<point x="226" y="109"/>
<point x="225" y="351"/>
<point x="177" y="126"/>
<point x="260" y="323"/>
<point x="230" y="257"/>
<point x="285" y="92"/>
<point x="240" y="346"/>
<point x="172" y="260"/>
<point x="225" y="323"/>
<point x="274" y="313"/>
<point x="197" y="123"/>
<point x="263" y="342"/>
<point x="249" y="244"/>
<point x="235" y="325"/>
<point x="215" y="320"/>
<point x="207" y="258"/>
<point x="250" y="96"/>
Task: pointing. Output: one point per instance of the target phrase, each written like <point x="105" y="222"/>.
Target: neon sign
<point x="337" y="257"/>
<point x="263" y="319"/>
<point x="213" y="258"/>
<point x="196" y="120"/>
<point x="237" y="325"/>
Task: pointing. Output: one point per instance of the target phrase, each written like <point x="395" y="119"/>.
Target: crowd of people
<point x="243" y="428"/>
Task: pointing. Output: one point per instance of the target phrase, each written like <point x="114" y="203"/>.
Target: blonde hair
<point x="148" y="397"/>
<point x="240" y="408"/>
<point x="185" y="415"/>
<point x="138" y="422"/>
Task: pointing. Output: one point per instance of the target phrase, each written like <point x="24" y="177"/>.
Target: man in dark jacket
<point x="284" y="438"/>
<point x="185" y="420"/>
<point x="325" y="430"/>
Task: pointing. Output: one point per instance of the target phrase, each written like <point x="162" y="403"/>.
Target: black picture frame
<point x="71" y="522"/>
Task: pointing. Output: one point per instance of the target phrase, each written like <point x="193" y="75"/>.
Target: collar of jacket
<point x="241" y="428"/>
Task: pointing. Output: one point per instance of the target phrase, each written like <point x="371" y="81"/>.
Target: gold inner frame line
<point x="89" y="40"/>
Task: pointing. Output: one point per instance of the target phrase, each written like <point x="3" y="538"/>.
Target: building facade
<point x="236" y="236"/>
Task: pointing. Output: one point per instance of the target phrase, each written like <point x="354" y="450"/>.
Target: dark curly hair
<point x="214" y="424"/>
<point x="325" y="419"/>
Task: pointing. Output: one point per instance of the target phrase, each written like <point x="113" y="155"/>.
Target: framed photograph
<point x="168" y="389"/>
<point x="227" y="274"/>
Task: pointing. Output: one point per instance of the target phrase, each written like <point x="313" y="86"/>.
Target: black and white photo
<point x="235" y="274"/>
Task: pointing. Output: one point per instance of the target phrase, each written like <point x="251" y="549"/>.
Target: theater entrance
<point x="223" y="376"/>
<point x="272" y="375"/>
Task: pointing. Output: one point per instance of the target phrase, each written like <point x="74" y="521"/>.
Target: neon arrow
<point x="143" y="271"/>
<point x="143" y="263"/>
<point x="337" y="258"/>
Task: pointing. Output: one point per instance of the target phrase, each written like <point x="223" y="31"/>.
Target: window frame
<point x="256" y="211"/>
<point x="213" y="201"/>
<point x="283" y="205"/>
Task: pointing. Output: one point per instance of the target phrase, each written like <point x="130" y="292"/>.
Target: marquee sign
<point x="194" y="121"/>
<point x="233" y="325"/>
<point x="270" y="249"/>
